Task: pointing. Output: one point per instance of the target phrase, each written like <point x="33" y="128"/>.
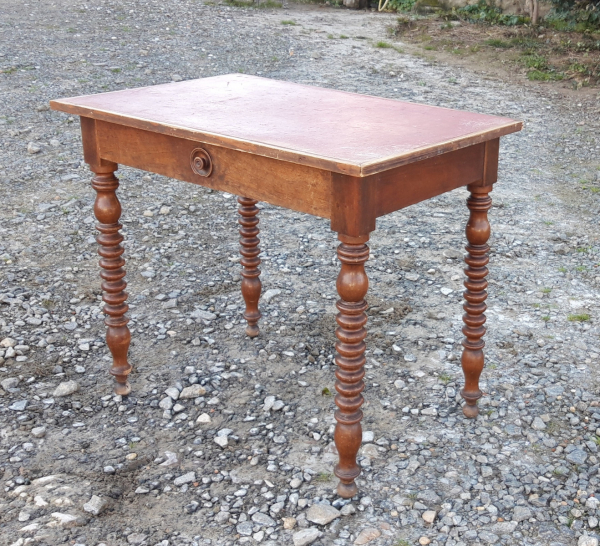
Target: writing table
<point x="345" y="157"/>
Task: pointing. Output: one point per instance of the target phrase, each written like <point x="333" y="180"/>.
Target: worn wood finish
<point x="478" y="233"/>
<point x="341" y="156"/>
<point x="250" y="261"/>
<point x="328" y="129"/>
<point x="265" y="179"/>
<point x="352" y="285"/>
<point x="107" y="210"/>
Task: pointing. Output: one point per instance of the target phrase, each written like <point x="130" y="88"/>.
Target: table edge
<point x="283" y="154"/>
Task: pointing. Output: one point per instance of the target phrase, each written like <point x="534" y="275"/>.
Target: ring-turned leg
<point x="108" y="211"/>
<point x="478" y="233"/>
<point x="250" y="261"/>
<point x="352" y="285"/>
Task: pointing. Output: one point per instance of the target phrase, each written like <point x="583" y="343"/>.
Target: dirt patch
<point x="520" y="54"/>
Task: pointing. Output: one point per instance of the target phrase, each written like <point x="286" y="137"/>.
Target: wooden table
<point x="341" y="156"/>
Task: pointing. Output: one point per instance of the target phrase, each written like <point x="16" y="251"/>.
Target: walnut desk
<point x="345" y="157"/>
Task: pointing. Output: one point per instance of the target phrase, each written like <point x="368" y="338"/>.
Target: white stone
<point x="367" y="535"/>
<point x="33" y="148"/>
<point x="193" y="391"/>
<point x="221" y="441"/>
<point x="268" y="403"/>
<point x="289" y="523"/>
<point x="67" y="520"/>
<point x="592" y="503"/>
<point x="446" y="291"/>
<point x="172" y="392"/>
<point x="429" y="516"/>
<point x="368" y="436"/>
<point x="203" y="418"/>
<point x="399" y="384"/>
<point x="322" y="514"/>
<point x="95" y="505"/>
<point x="9" y="383"/>
<point x="270" y="294"/>
<point x="587" y="541"/>
<point x="295" y="483"/>
<point x="38" y="432"/>
<point x="166" y="403"/>
<point x="66" y="388"/>
<point x="8" y="342"/>
<point x="348" y="510"/>
<point x="306" y="536"/>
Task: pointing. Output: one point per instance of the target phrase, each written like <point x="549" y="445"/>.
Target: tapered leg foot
<point x="352" y="286"/>
<point x="108" y="211"/>
<point x="347" y="491"/>
<point x="251" y="285"/>
<point x="478" y="233"/>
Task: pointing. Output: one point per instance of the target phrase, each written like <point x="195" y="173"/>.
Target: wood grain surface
<point x="341" y="132"/>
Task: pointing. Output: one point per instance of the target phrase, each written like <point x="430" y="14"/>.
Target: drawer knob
<point x="201" y="162"/>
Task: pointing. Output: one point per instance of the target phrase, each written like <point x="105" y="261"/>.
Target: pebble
<point x="95" y="505"/>
<point x="66" y="388"/>
<point x="429" y="516"/>
<point x="538" y="424"/>
<point x="193" y="391"/>
<point x="322" y="514"/>
<point x="136" y="538"/>
<point x="423" y="541"/>
<point x="67" y="520"/>
<point x="367" y="535"/>
<point x="38" y="432"/>
<point x="221" y="441"/>
<point x="9" y="383"/>
<point x="20" y="405"/>
<point x="203" y="418"/>
<point x="185" y="478"/>
<point x="289" y="523"/>
<point x="263" y="520"/>
<point x="306" y="536"/>
<point x="270" y="294"/>
<point x="577" y="456"/>
<point x="33" y="148"/>
<point x="587" y="541"/>
<point x="521" y="513"/>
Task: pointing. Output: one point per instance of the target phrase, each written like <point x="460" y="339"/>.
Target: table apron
<point x="352" y="203"/>
<point x="289" y="185"/>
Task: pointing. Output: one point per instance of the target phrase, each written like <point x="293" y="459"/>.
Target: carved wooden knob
<point x="201" y="162"/>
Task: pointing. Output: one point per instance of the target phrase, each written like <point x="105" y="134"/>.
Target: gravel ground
<point x="227" y="440"/>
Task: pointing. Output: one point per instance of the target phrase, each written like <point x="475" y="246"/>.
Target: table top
<point x="324" y="128"/>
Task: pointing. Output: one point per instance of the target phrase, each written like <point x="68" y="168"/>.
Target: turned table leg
<point x="250" y="261"/>
<point x="478" y="233"/>
<point x="108" y="210"/>
<point x="352" y="285"/>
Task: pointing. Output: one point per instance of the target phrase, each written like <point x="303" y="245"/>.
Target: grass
<point x="326" y="392"/>
<point x="289" y="22"/>
<point x="582" y="317"/>
<point x="546" y="290"/>
<point x="323" y="476"/>
<point x="402" y="542"/>
<point x="497" y="42"/>
<point x="383" y="45"/>
<point x="445" y="378"/>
